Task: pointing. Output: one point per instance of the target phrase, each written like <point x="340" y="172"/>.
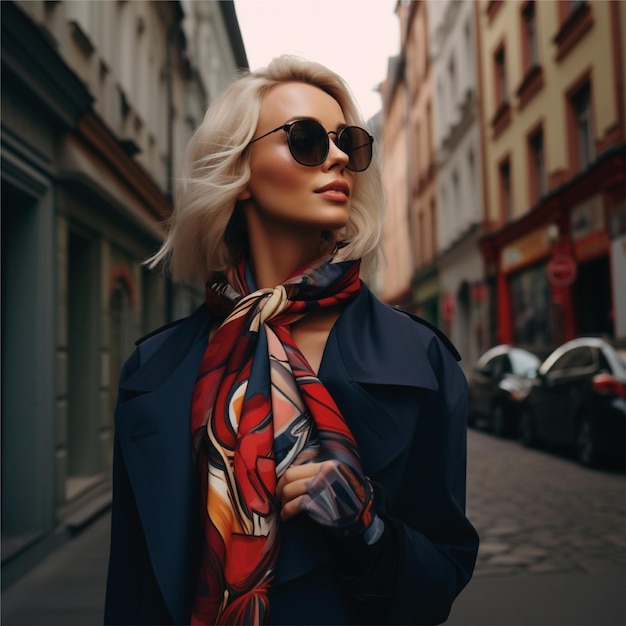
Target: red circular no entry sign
<point x="561" y="270"/>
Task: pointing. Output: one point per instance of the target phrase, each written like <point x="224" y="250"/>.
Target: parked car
<point x="497" y="384"/>
<point x="578" y="399"/>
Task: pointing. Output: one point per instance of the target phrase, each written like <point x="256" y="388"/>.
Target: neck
<point x="275" y="262"/>
<point x="278" y="254"/>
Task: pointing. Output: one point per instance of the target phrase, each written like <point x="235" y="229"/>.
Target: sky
<point x="354" y="38"/>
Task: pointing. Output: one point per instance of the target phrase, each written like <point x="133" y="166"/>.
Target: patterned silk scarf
<point x="257" y="409"/>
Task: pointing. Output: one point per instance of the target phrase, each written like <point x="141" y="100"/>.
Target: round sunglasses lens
<point x="357" y="144"/>
<point x="308" y="142"/>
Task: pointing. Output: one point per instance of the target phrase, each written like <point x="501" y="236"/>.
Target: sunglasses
<point x="309" y="143"/>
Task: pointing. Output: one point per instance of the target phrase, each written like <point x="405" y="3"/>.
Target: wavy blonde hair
<point x="206" y="234"/>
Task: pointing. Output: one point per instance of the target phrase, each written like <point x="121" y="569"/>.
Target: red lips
<point x="336" y="185"/>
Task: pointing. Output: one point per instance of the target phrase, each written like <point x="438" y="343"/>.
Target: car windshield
<point x="523" y="362"/>
<point x="621" y="355"/>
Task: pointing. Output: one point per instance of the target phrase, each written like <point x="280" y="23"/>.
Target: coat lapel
<point x="153" y="426"/>
<point x="377" y="369"/>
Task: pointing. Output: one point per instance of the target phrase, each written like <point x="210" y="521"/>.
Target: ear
<point x="244" y="194"/>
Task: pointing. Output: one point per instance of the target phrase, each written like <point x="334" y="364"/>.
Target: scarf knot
<point x="262" y="306"/>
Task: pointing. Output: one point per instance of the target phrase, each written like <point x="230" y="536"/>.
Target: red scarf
<point x="258" y="407"/>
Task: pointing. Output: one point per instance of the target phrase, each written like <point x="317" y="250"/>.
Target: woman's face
<point x="282" y="193"/>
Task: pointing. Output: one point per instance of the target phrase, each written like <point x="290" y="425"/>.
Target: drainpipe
<point x="169" y="85"/>
<point x="172" y="31"/>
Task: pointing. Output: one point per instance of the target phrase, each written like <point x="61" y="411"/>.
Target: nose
<point x="336" y="156"/>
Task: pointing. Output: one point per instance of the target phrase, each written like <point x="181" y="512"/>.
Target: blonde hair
<point x="206" y="235"/>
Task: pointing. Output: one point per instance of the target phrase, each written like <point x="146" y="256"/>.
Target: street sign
<point x="561" y="270"/>
<point x="447" y="307"/>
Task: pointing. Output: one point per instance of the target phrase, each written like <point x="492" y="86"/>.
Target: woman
<point x="294" y="451"/>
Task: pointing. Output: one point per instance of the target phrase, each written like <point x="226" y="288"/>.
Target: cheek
<point x="278" y="176"/>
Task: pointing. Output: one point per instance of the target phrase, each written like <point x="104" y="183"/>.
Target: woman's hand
<point x="332" y="494"/>
<point x="293" y="486"/>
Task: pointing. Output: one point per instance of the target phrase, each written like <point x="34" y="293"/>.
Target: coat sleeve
<point x="428" y="551"/>
<point x="132" y="594"/>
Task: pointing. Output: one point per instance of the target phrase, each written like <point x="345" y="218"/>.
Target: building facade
<point x="98" y="101"/>
<point x="516" y="169"/>
<point x="553" y="120"/>
<point x="409" y="170"/>
<point x="396" y="266"/>
<point x="457" y="145"/>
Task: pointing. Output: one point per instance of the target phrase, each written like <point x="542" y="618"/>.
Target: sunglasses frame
<point x="287" y="128"/>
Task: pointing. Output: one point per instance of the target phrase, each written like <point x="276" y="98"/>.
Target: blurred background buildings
<point x="503" y="148"/>
<point x="504" y="163"/>
<point x="98" y="102"/>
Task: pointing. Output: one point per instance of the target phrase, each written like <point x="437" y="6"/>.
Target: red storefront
<point x="550" y="271"/>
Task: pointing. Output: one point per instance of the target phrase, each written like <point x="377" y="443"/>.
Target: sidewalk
<point x="597" y="599"/>
<point x="67" y="588"/>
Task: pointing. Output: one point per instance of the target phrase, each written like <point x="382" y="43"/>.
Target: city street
<point x="552" y="549"/>
<point x="552" y="539"/>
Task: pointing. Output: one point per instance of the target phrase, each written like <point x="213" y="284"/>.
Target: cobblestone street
<point x="540" y="513"/>
<point x="552" y="549"/>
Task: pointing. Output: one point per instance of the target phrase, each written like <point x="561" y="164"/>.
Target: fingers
<point x="293" y="485"/>
<point x="291" y="508"/>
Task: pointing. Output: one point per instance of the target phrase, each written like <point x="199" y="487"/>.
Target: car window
<point x="493" y="366"/>
<point x="603" y="362"/>
<point x="575" y="358"/>
<point x="613" y="360"/>
<point x="523" y="362"/>
<point x="498" y="365"/>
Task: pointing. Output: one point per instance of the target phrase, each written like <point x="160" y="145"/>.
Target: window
<point x="502" y="116"/>
<point x="530" y="304"/>
<point x="573" y="359"/>
<point x="417" y="151"/>
<point x="445" y="212"/>
<point x="453" y="82"/>
<point x="576" y="19"/>
<point x="529" y="33"/>
<point x="473" y="183"/>
<point x="467" y="35"/>
<point x="433" y="226"/>
<point x="500" y="76"/>
<point x="429" y="127"/>
<point x="442" y="117"/>
<point x="532" y="72"/>
<point x="422" y="236"/>
<point x="493" y="7"/>
<point x="506" y="196"/>
<point x="498" y="366"/>
<point x="523" y="363"/>
<point x="538" y="178"/>
<point x="575" y="4"/>
<point x="456" y="189"/>
<point x="580" y="104"/>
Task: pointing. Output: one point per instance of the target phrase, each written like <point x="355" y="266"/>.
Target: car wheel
<point x="498" y="421"/>
<point x="526" y="428"/>
<point x="587" y="444"/>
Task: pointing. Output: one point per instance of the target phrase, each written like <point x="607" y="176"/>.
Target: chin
<point x="335" y="218"/>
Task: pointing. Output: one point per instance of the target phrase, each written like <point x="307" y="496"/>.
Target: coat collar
<point x="379" y="345"/>
<point x="162" y="351"/>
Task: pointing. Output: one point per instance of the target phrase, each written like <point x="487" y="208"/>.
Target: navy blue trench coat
<point x="404" y="397"/>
